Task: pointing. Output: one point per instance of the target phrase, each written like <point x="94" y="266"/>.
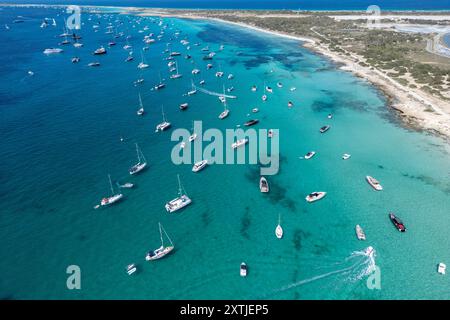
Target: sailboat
<point x="142" y="163"/>
<point x="180" y="202"/>
<point x="141" y="111"/>
<point x="225" y="112"/>
<point x="54" y="23"/>
<point x="264" y="97"/>
<point x="113" y="198"/>
<point x="142" y="64"/>
<point x="163" y="125"/>
<point x="160" y="85"/>
<point x="279" y="229"/>
<point x="176" y="75"/>
<point x="163" y="250"/>
<point x="193" y="91"/>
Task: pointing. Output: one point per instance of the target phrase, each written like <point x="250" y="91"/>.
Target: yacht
<point x="75" y="59"/>
<point x="176" y="75"/>
<point x="113" y="198"/>
<point x="360" y="232"/>
<point x="131" y="268"/>
<point x="162" y="250"/>
<point x="239" y="143"/>
<point x="141" y="164"/>
<point x="53" y="50"/>
<point x="309" y="155"/>
<point x="254" y="88"/>
<point x="243" y="270"/>
<point x="251" y="122"/>
<point x="100" y="51"/>
<point x="94" y="64"/>
<point x="141" y="110"/>
<point x="314" y="196"/>
<point x="195" y="71"/>
<point x="263" y="185"/>
<point x="374" y="183"/>
<point x="193" y="90"/>
<point x="184" y="106"/>
<point x="441" y="268"/>
<point x="77" y="45"/>
<point x="142" y="64"/>
<point x="324" y="129"/>
<point x="346" y="156"/>
<point x="160" y="85"/>
<point x="199" y="165"/>
<point x="179" y="202"/>
<point x="397" y="222"/>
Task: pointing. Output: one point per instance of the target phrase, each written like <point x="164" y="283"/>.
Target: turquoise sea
<point x="60" y="137"/>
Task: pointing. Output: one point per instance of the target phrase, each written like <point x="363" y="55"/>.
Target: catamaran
<point x="180" y="202"/>
<point x="113" y="198"/>
<point x="142" y="163"/>
<point x="141" y="110"/>
<point x="163" y="125"/>
<point x="163" y="250"/>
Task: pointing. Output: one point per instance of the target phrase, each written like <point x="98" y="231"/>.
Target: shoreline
<point x="417" y="110"/>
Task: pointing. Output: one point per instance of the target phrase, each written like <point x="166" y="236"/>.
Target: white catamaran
<point x="163" y="125"/>
<point x="180" y="202"/>
<point x="163" y="250"/>
<point x="142" y="163"/>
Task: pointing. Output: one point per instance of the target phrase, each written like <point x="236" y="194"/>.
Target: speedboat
<point x="99" y="51"/>
<point x="192" y="137"/>
<point x="263" y="185"/>
<point x="75" y="59"/>
<point x="397" y="222"/>
<point x="77" y="45"/>
<point x="53" y="50"/>
<point x="309" y="155"/>
<point x="346" y="156"/>
<point x="131" y="268"/>
<point x="209" y="66"/>
<point x="324" y="129"/>
<point x="374" y="183"/>
<point x="224" y="114"/>
<point x="127" y="185"/>
<point x="202" y="82"/>
<point x="255" y="110"/>
<point x="195" y="71"/>
<point x="279" y="231"/>
<point x="219" y="74"/>
<point x="269" y="89"/>
<point x="243" y="270"/>
<point x="254" y="88"/>
<point x="441" y="268"/>
<point x="279" y="85"/>
<point x="314" y="196"/>
<point x="192" y="92"/>
<point x="174" y="54"/>
<point x="94" y="64"/>
<point x="330" y="116"/>
<point x="159" y="86"/>
<point x="251" y="122"/>
<point x="239" y="143"/>
<point x="184" y="106"/>
<point x="142" y="65"/>
<point x="369" y="251"/>
<point x="177" y="203"/>
<point x="290" y="104"/>
<point x="360" y="232"/>
<point x="176" y="76"/>
<point x="199" y="165"/>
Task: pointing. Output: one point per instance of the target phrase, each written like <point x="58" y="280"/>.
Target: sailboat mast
<point x="110" y="184"/>
<point x="140" y="100"/>
<point x="137" y="152"/>
<point x="161" y="228"/>
<point x="179" y="186"/>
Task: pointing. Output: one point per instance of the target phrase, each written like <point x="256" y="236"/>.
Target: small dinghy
<point x="360" y="232"/>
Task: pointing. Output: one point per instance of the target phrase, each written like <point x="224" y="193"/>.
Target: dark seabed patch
<point x="299" y="236"/>
<point x="245" y="223"/>
<point x="321" y="249"/>
<point x="206" y="219"/>
<point x="430" y="181"/>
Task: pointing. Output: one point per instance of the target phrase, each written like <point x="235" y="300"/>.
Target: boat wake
<point x="362" y="264"/>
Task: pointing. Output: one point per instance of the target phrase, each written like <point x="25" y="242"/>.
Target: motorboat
<point x="243" y="270"/>
<point x="279" y="85"/>
<point x="324" y="129"/>
<point x="397" y="222"/>
<point x="263" y="185"/>
<point x="131" y="268"/>
<point x="374" y="183"/>
<point x="255" y="110"/>
<point x="192" y="137"/>
<point x="360" y="232"/>
<point x="94" y="64"/>
<point x="184" y="106"/>
<point x="251" y="122"/>
<point x="254" y="88"/>
<point x="309" y="155"/>
<point x="441" y="268"/>
<point x="199" y="165"/>
<point x="75" y="60"/>
<point x="346" y="156"/>
<point x="53" y="50"/>
<point x="239" y="143"/>
<point x="100" y="51"/>
<point x="270" y="133"/>
<point x="315" y="196"/>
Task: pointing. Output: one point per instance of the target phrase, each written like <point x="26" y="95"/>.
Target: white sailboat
<point x="142" y="64"/>
<point x="141" y="110"/>
<point x="113" y="198"/>
<point x="279" y="229"/>
<point x="180" y="202"/>
<point x="193" y="136"/>
<point x="176" y="75"/>
<point x="163" y="125"/>
<point x="162" y="250"/>
<point x="225" y="112"/>
<point x="193" y="90"/>
<point x="160" y="85"/>
<point x="141" y="164"/>
<point x="264" y="96"/>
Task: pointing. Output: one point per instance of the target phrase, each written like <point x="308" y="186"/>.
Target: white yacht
<point x="309" y="155"/>
<point x="162" y="250"/>
<point x="141" y="164"/>
<point x="53" y="50"/>
<point x="441" y="268"/>
<point x="199" y="165"/>
<point x="243" y="270"/>
<point x="314" y="196"/>
<point x="374" y="183"/>
<point x="180" y="202"/>
<point x="263" y="185"/>
<point x="239" y="143"/>
<point x="163" y="125"/>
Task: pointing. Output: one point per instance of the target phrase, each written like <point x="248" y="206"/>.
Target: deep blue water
<point x="265" y="4"/>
